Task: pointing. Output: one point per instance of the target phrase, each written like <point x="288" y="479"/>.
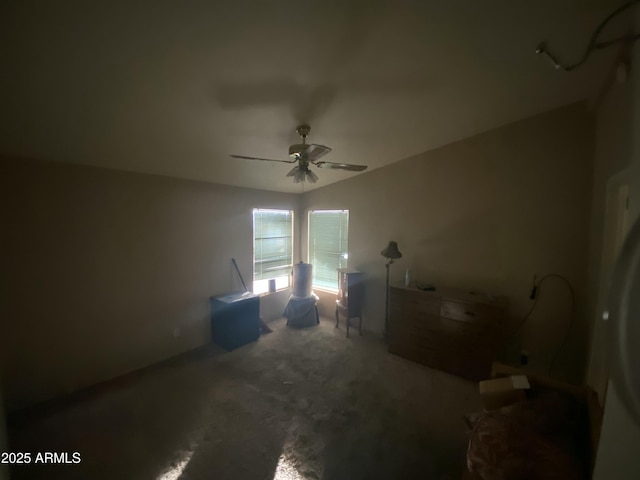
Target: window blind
<point x="328" y="243"/>
<point x="272" y="243"/>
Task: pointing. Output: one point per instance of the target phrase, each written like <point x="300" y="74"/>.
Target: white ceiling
<point x="174" y="87"/>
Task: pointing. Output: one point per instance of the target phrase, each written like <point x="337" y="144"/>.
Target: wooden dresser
<point x="452" y="330"/>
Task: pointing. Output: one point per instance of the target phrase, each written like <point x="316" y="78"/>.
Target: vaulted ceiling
<point x="172" y="88"/>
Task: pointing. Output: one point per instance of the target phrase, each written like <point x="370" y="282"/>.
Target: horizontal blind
<point x="328" y="243"/>
<point x="272" y="243"/>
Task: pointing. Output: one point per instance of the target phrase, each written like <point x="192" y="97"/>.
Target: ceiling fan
<point x="306" y="154"/>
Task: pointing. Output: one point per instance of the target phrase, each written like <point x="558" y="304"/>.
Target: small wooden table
<point x="344" y="310"/>
<point x="350" y="296"/>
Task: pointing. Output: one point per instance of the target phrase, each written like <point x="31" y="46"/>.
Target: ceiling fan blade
<point x="264" y="159"/>
<point x="312" y="177"/>
<point x="314" y="151"/>
<point x="342" y="166"/>
<point x="298" y="174"/>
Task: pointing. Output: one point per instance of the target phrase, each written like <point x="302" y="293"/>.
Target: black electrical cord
<point x="593" y="42"/>
<point x="535" y="296"/>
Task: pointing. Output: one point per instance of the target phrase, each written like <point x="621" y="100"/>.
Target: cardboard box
<point x="500" y="392"/>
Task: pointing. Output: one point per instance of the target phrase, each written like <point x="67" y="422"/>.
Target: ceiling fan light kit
<point x="300" y="175"/>
<point x="296" y="150"/>
<point x="306" y="154"/>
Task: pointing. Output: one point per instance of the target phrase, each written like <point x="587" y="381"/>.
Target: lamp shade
<point x="391" y="251"/>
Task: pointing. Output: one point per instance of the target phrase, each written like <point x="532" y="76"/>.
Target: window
<point x="272" y="248"/>
<point x="328" y="232"/>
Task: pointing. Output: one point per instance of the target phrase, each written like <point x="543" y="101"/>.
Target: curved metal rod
<point x="593" y="42"/>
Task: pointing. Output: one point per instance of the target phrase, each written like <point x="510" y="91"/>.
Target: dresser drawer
<point x="422" y="305"/>
<point x="443" y="331"/>
<point x="471" y="312"/>
<point x="471" y="365"/>
<point x="418" y="325"/>
<point x="457" y="310"/>
<point x="416" y="302"/>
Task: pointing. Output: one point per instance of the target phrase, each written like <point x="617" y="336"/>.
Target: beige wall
<point x="486" y="213"/>
<point x="106" y="272"/>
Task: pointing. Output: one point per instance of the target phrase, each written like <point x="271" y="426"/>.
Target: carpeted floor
<point x="297" y="404"/>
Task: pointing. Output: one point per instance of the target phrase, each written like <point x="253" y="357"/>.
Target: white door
<point x="615" y="230"/>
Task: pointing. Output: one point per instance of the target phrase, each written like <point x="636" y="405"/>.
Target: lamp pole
<point x="386" y="311"/>
<point x="391" y="252"/>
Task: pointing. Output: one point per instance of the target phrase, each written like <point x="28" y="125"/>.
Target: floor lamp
<point x="391" y="253"/>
